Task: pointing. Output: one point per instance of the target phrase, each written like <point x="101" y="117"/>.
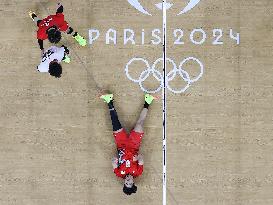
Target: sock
<point x="70" y="30"/>
<point x="111" y="105"/>
<point x="75" y="34"/>
<point x="146" y="105"/>
<point x="33" y="16"/>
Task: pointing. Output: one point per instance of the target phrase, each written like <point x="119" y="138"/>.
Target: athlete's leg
<point x="60" y="8"/>
<point x="108" y="98"/>
<point x="140" y="122"/>
<point x="115" y="121"/>
<point x="70" y="30"/>
<point x="76" y="36"/>
<point x="121" y="137"/>
<point x="137" y="133"/>
<point x="37" y="21"/>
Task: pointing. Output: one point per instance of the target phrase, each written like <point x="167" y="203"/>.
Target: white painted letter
<point x="109" y="38"/>
<point x="237" y="37"/>
<point x="158" y="38"/>
<point x="143" y="37"/>
<point x="203" y="38"/>
<point x="91" y="37"/>
<point x="130" y="38"/>
<point x="178" y="33"/>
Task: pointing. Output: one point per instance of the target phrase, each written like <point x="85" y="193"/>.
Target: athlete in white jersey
<point x="51" y="60"/>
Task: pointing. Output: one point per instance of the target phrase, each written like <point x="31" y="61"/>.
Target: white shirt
<point x="53" y="53"/>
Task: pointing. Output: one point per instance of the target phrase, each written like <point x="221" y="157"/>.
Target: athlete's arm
<point x="115" y="162"/>
<point x="117" y="172"/>
<point x="43" y="67"/>
<point x="139" y="170"/>
<point x="66" y="50"/>
<point x="140" y="159"/>
<point x="140" y="162"/>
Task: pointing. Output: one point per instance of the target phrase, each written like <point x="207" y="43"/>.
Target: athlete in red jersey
<point x="128" y="164"/>
<point x="51" y="27"/>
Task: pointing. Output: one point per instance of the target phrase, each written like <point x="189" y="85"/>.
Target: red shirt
<point x="127" y="165"/>
<point x="52" y="20"/>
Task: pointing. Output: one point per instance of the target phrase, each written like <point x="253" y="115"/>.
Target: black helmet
<point x="55" y="69"/>
<point x="131" y="190"/>
<point x="54" y="35"/>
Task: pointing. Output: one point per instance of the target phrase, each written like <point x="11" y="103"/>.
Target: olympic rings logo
<point x="184" y="75"/>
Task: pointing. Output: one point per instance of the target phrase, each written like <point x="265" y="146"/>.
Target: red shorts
<point x="129" y="142"/>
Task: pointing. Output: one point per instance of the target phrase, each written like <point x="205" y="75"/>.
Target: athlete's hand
<point x="115" y="162"/>
<point x="65" y="49"/>
<point x="140" y="159"/>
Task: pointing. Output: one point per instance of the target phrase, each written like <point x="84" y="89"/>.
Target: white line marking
<point x="190" y="6"/>
<point x="138" y="6"/>
<point x="164" y="99"/>
<point x="168" y="5"/>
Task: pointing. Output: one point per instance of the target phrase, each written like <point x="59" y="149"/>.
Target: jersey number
<point x="128" y="163"/>
<point x="46" y="23"/>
